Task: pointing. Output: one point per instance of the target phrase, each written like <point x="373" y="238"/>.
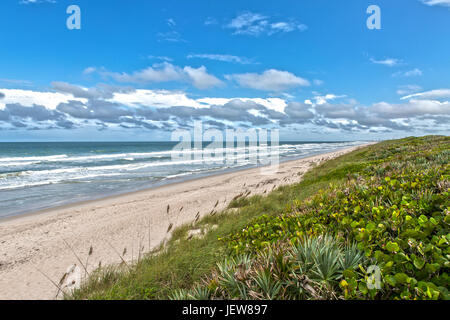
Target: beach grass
<point x="188" y="266"/>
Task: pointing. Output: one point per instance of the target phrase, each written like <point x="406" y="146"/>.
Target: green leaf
<point x="423" y="220"/>
<point x="401" y="278"/>
<point x="419" y="263"/>
<point x="363" y="288"/>
<point x="390" y="280"/>
<point x="392" y="246"/>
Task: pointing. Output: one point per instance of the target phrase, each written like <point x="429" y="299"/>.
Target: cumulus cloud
<point x="29" y="97"/>
<point x="297" y="113"/>
<point x="106" y="106"/>
<point x="412" y="108"/>
<point x="35" y="112"/>
<point x="81" y="92"/>
<point x="270" y="80"/>
<point x="200" y="78"/>
<point x="161" y="72"/>
<point x="319" y="100"/>
<point x="2" y="95"/>
<point x="255" y="24"/>
<point x="20" y="116"/>
<point x="167" y="72"/>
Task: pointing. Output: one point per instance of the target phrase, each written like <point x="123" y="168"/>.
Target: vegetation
<point x="385" y="207"/>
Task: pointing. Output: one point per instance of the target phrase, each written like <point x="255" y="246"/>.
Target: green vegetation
<point x="385" y="205"/>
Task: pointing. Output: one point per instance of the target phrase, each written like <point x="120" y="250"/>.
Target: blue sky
<point x="137" y="70"/>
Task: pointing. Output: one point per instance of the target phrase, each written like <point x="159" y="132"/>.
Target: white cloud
<point x="17" y="82"/>
<point x="408" y="89"/>
<point x="270" y="80"/>
<point x="412" y="108"/>
<point x="129" y="98"/>
<point x="318" y="82"/>
<point x="36" y="1"/>
<point x="89" y="70"/>
<point x="255" y="24"/>
<point x="410" y="73"/>
<point x="162" y="72"/>
<point x="210" y="21"/>
<point x="154" y="98"/>
<point x="324" y="99"/>
<point x="445" y="3"/>
<point x="163" y="58"/>
<point x="275" y="104"/>
<point x="162" y="108"/>
<point x="222" y="57"/>
<point x="28" y="98"/>
<point x="200" y="78"/>
<point x="171" y="22"/>
<point x="390" y="62"/>
<point x="286" y="27"/>
<point x="437" y="94"/>
<point x="170" y="36"/>
<point x="167" y="72"/>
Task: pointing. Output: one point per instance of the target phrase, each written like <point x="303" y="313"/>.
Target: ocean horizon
<point x="41" y="175"/>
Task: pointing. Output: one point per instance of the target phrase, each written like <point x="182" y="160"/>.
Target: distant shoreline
<point x="155" y="185"/>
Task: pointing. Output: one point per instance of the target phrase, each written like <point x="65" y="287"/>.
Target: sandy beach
<point x="44" y="243"/>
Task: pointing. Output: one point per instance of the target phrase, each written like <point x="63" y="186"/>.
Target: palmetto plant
<point x="267" y="285"/>
<point x="352" y="257"/>
<point x="198" y="293"/>
<point x="323" y="260"/>
<point x="310" y="269"/>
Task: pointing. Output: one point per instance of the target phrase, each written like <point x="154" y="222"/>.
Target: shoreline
<point x="34" y="243"/>
<point x="157" y="185"/>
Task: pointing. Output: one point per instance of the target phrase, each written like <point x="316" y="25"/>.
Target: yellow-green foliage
<point x="396" y="208"/>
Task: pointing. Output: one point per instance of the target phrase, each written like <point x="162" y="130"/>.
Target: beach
<point x="39" y="247"/>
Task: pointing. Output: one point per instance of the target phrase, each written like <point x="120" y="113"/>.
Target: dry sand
<point x="34" y="245"/>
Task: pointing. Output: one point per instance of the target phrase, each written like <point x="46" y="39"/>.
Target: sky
<point x="139" y="70"/>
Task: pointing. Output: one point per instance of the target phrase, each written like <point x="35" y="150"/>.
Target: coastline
<point x="155" y="186"/>
<point x="33" y="243"/>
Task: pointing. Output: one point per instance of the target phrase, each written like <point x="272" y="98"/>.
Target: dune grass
<point x="183" y="263"/>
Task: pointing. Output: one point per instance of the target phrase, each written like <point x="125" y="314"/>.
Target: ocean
<point x="42" y="175"/>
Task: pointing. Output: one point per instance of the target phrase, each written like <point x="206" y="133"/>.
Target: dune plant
<point x="310" y="269"/>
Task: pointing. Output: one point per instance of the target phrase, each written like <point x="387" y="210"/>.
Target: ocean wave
<point x="17" y="161"/>
<point x="40" y="170"/>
